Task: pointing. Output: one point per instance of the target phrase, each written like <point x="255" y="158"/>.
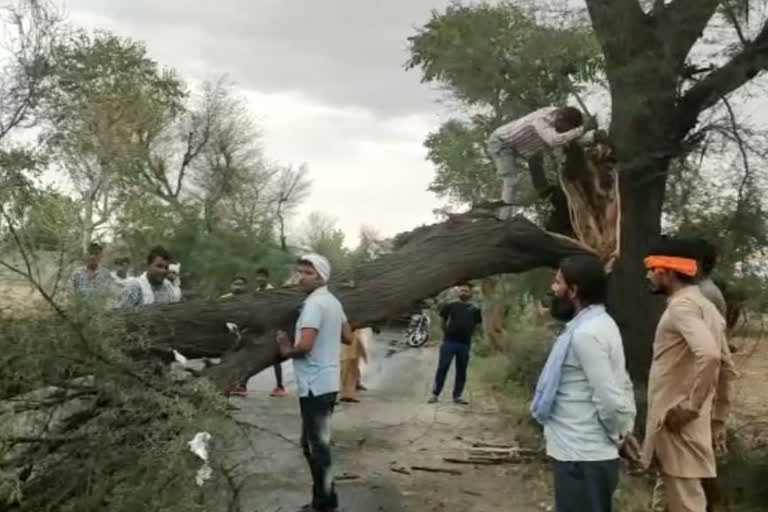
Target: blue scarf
<point x="549" y="379"/>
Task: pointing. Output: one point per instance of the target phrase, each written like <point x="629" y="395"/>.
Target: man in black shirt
<point x="459" y="322"/>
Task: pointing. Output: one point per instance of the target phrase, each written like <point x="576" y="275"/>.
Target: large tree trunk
<point x="631" y="304"/>
<point x="646" y="138"/>
<point x="424" y="262"/>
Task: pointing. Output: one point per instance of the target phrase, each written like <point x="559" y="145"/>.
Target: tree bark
<point x="630" y="302"/>
<point x="424" y="262"/>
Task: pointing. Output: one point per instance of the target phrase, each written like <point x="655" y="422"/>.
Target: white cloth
<point x="148" y="294"/>
<point x="366" y="339"/>
<point x="595" y="405"/>
<point x="321" y="265"/>
<point x="532" y="134"/>
<point x="119" y="281"/>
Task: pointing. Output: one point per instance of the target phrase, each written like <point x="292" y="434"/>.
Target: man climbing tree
<point x="542" y="130"/>
<point x="659" y="84"/>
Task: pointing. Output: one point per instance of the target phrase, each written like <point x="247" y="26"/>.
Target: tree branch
<point x="681" y="24"/>
<point x="742" y="68"/>
<point x="616" y="24"/>
<point x="734" y="19"/>
<point x="745" y="180"/>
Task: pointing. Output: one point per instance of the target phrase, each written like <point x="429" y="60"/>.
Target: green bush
<point x="743" y="475"/>
<point x="85" y="427"/>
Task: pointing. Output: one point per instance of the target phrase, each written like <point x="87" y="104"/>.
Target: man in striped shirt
<point x="540" y="131"/>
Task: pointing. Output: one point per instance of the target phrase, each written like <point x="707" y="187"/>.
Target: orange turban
<point x="685" y="266"/>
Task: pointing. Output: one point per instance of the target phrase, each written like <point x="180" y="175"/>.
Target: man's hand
<point x="630" y="449"/>
<point x="678" y="417"/>
<point x="590" y="123"/>
<point x="719" y="437"/>
<point x="601" y="136"/>
<point x="284" y="344"/>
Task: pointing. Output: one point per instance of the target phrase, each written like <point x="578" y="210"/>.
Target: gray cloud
<point x="341" y="52"/>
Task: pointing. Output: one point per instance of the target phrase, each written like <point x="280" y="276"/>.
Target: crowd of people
<point x="584" y="398"/>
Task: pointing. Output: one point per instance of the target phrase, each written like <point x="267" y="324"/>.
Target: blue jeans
<point x="448" y="351"/>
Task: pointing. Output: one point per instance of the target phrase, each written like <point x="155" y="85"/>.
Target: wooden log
<point x="424" y="262"/>
<point x="430" y="469"/>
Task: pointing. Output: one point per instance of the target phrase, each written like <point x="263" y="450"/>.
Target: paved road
<point x="393" y="427"/>
<point x="278" y="479"/>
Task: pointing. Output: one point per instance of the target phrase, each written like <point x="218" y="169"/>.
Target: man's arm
<point x="552" y="137"/>
<point x="347" y="336"/>
<point x="445" y="313"/>
<point x="722" y="405"/>
<point x="609" y="394"/>
<point x="302" y="347"/>
<point x="686" y="316"/>
<point x="308" y="325"/>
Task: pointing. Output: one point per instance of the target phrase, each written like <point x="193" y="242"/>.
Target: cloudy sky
<point x="325" y="79"/>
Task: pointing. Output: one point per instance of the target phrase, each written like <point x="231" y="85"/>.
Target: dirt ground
<point x="393" y="428"/>
<point x="750" y="394"/>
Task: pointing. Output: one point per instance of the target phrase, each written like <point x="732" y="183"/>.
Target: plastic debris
<point x="180" y="358"/>
<point x="199" y="446"/>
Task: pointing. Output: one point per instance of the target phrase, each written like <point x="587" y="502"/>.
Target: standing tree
<point x="658" y="89"/>
<point x="291" y="188"/>
<point x="107" y="92"/>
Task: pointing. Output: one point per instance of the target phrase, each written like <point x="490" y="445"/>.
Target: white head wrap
<point x="321" y="265"/>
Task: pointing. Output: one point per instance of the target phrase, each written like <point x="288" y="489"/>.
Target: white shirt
<point x="318" y="371"/>
<point x="533" y="133"/>
<point x="594" y="405"/>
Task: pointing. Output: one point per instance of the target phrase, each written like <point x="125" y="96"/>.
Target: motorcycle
<point x="419" y="325"/>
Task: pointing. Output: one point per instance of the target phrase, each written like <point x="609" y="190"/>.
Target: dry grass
<point x="507" y="377"/>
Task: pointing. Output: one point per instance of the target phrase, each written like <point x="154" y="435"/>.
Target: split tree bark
<point x="424" y="262"/>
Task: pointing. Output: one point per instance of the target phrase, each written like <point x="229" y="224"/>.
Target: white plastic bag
<point x="199" y="446"/>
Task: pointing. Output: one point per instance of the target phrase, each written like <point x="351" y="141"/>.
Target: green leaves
<point x="463" y="171"/>
<point x="500" y="64"/>
<point x="498" y="56"/>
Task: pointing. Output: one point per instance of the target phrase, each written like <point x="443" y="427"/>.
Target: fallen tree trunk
<point x="423" y="263"/>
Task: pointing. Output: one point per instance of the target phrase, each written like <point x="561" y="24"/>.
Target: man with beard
<point x="688" y="384"/>
<point x="460" y="319"/>
<point x="151" y="287"/>
<point x="584" y="397"/>
<point x="316" y="350"/>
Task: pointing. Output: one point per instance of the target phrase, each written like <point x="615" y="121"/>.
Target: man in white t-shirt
<point x="316" y="349"/>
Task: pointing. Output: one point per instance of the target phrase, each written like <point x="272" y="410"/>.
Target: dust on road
<point x="393" y="427"/>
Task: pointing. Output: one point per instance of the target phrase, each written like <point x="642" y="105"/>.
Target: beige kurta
<point x="350" y="365"/>
<point x="691" y="366"/>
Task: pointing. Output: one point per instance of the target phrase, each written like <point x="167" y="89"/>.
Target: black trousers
<point x="316" y="414"/>
<point x="278" y="377"/>
<point x="448" y="351"/>
<point x="585" y="486"/>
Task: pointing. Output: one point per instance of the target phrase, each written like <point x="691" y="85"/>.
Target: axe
<point x="567" y="72"/>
